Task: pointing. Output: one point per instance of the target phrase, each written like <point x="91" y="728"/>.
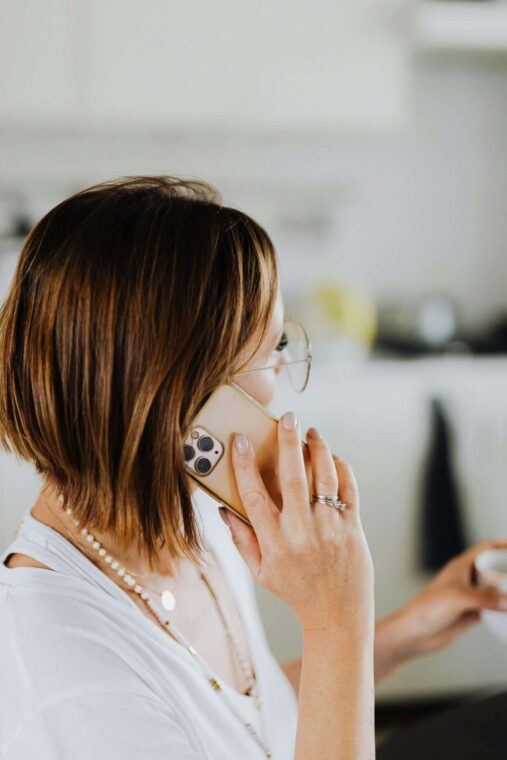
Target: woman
<point x="129" y="623"/>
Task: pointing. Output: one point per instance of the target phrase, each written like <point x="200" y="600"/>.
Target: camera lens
<point x="189" y="452"/>
<point x="203" y="465"/>
<point x="205" y="443"/>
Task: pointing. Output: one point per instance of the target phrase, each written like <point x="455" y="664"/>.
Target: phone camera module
<point x="203" y="465"/>
<point x="197" y="441"/>
<point x="189" y="452"/>
<point x="205" y="443"/>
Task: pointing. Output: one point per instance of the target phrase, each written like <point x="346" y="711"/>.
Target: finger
<point x="244" y="539"/>
<point x="485" y="597"/>
<point x="348" y="491"/>
<point x="490" y="599"/>
<point x="483" y="546"/>
<point x="491" y="543"/>
<point x="473" y="616"/>
<point x="463" y="565"/>
<point x="293" y="482"/>
<point x="324" y="475"/>
<point x="257" y="503"/>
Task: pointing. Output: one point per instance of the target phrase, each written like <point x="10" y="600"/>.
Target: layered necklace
<point x="167" y="601"/>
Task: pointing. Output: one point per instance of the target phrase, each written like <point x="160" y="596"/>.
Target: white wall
<point x="424" y="210"/>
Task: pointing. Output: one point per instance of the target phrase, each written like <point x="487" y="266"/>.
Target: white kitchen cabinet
<point x="39" y="79"/>
<point x="462" y="26"/>
<point x="197" y="66"/>
<point x="332" y="65"/>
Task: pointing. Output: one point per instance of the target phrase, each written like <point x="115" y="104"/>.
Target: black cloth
<point x="442" y="530"/>
<point x="475" y="731"/>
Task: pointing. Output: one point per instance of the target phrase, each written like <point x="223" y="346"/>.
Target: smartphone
<point x="207" y="447"/>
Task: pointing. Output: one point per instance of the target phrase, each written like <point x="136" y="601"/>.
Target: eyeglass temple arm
<point x="275" y="366"/>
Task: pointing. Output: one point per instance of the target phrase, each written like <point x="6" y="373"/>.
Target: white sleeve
<point x="104" y="726"/>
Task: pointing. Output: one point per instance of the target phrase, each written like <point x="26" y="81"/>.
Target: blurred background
<point x="369" y="137"/>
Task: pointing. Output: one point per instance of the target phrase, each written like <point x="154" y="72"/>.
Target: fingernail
<point x="502" y="603"/>
<point x="241" y="443"/>
<point x="225" y="517"/>
<point x="289" y="421"/>
<point x="313" y="433"/>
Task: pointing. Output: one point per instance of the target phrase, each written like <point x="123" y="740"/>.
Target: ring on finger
<point x="331" y="501"/>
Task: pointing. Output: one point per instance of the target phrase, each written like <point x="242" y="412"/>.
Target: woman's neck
<point x="48" y="509"/>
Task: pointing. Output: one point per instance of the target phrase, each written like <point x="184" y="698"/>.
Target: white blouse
<point x="84" y="674"/>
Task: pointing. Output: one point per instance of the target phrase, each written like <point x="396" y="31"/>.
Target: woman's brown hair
<point x="131" y="302"/>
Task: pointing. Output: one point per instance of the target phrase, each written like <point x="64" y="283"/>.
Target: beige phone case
<point x="228" y="411"/>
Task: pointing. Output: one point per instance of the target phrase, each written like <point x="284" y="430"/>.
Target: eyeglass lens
<point x="296" y="352"/>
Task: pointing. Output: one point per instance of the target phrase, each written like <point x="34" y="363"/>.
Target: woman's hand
<point x="441" y="612"/>
<point x="316" y="559"/>
<point x="312" y="556"/>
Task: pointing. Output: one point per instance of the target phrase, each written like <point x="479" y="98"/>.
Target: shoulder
<point x="61" y="632"/>
<point x="71" y="677"/>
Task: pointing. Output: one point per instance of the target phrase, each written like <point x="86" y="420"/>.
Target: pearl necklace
<point x="166" y="599"/>
<point x="211" y="676"/>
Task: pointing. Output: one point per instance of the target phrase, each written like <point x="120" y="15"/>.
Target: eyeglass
<point x="297" y="350"/>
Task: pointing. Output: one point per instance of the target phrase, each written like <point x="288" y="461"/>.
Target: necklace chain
<point x="130" y="579"/>
<point x="248" y="673"/>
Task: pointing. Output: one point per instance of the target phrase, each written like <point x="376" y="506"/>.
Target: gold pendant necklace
<point x="166" y="598"/>
<point x="212" y="678"/>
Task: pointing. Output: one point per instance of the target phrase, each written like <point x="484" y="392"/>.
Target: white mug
<point x="491" y="570"/>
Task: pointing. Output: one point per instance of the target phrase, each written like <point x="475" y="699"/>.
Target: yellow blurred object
<point x="351" y="310"/>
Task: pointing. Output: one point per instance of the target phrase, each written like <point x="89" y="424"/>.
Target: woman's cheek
<point x="260" y="385"/>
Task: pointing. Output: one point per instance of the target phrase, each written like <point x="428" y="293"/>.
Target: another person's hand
<point x="448" y="606"/>
<point x="311" y="555"/>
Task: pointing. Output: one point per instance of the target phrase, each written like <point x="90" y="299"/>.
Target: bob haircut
<point x="132" y="301"/>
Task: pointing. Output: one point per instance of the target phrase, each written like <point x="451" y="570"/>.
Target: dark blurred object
<point x="431" y="325"/>
<point x="493" y="340"/>
<point x="475" y="731"/>
<point x="393" y="716"/>
<point x="21" y="225"/>
<point x="15" y="217"/>
<point x="441" y="522"/>
<point x="427" y="325"/>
